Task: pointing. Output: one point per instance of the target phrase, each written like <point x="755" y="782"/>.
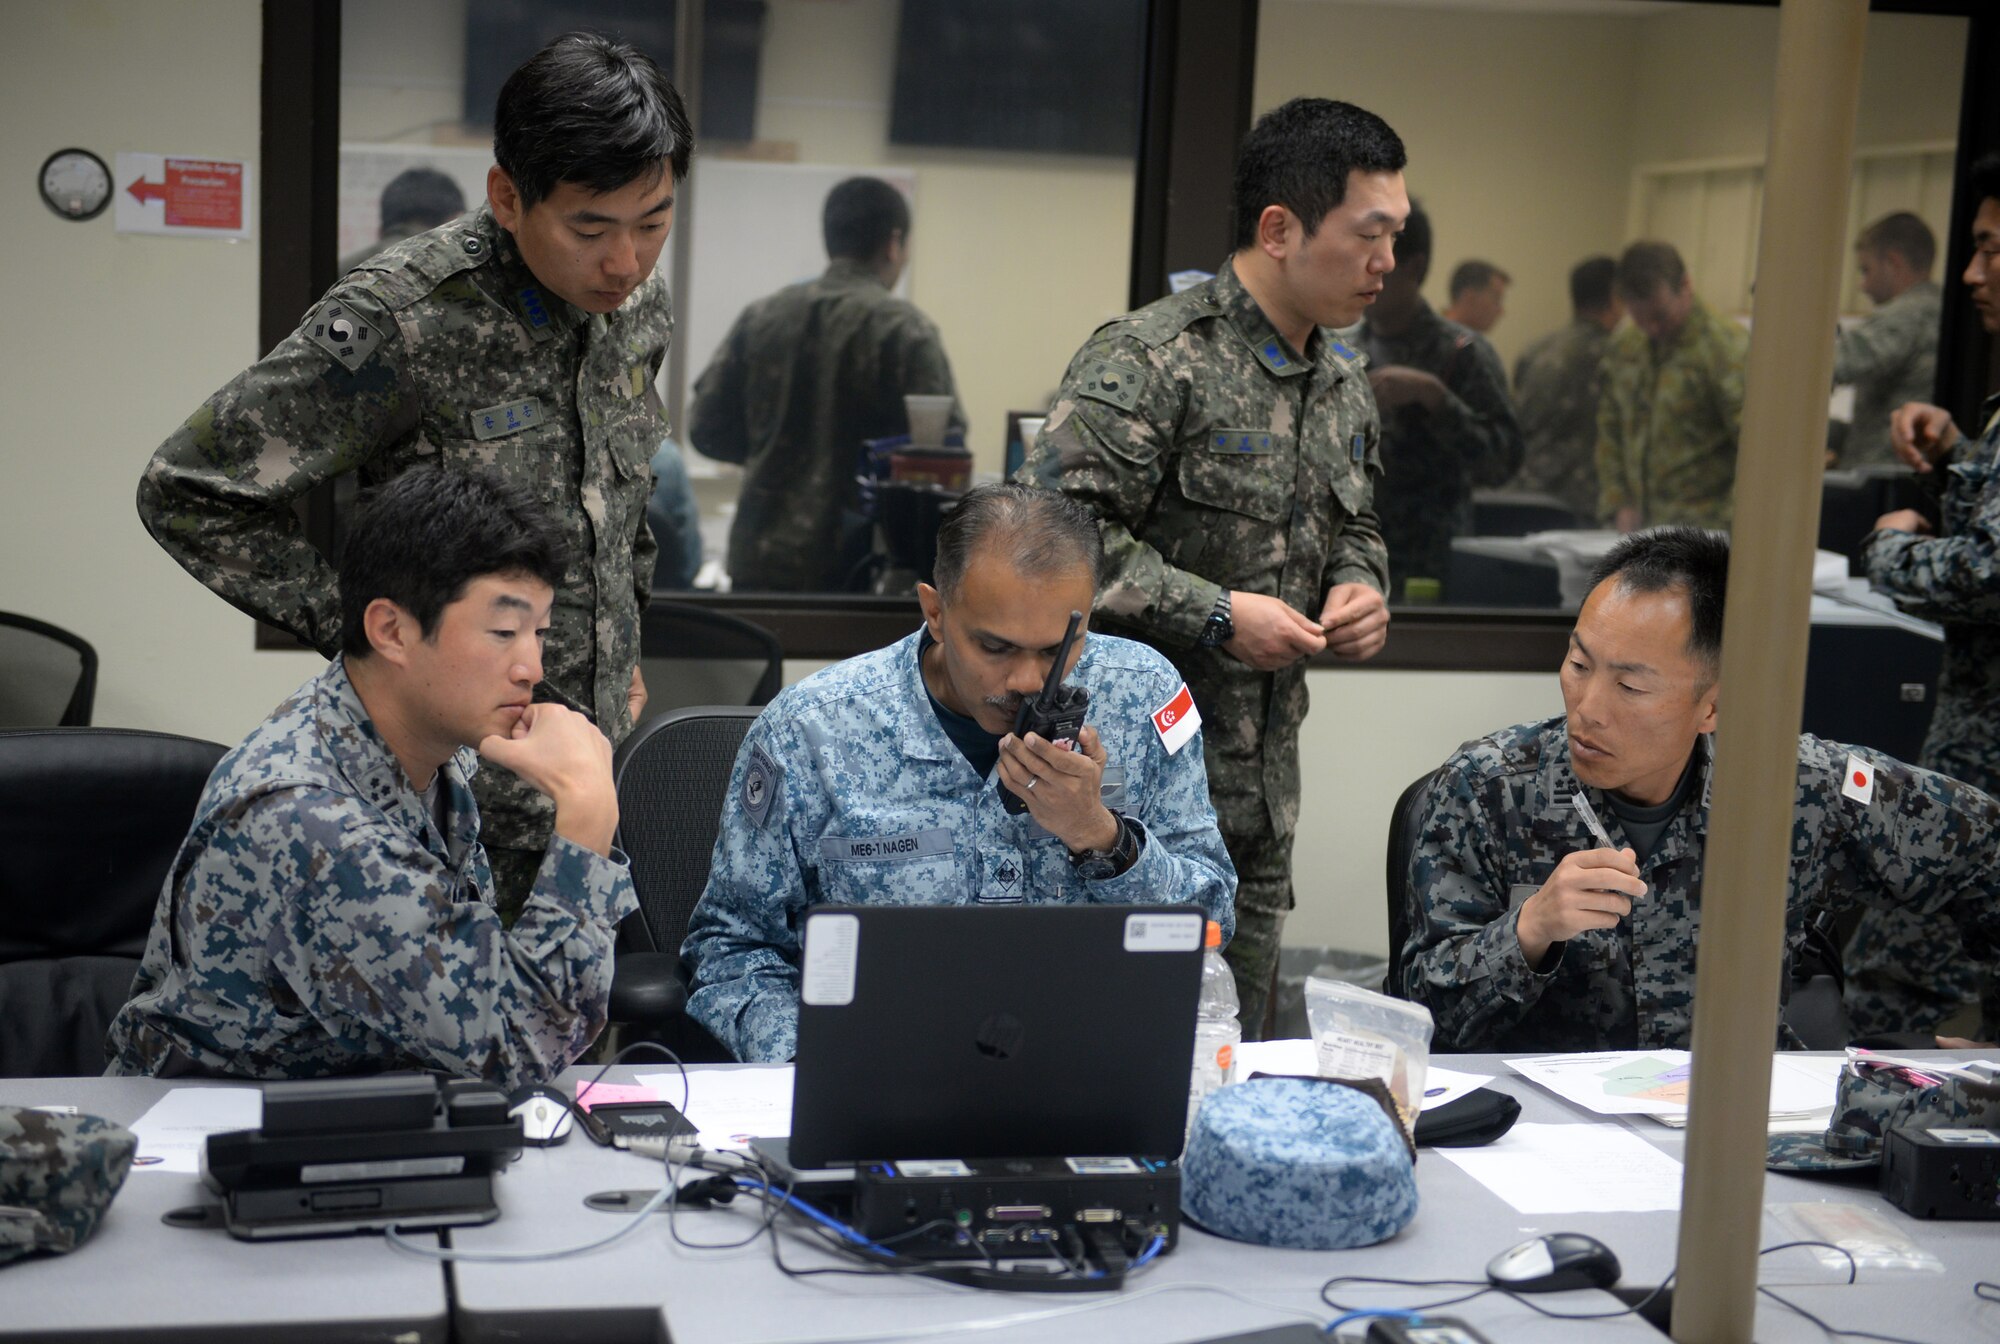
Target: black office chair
<point x="92" y="821"/>
<point x="1517" y="513"/>
<point x="694" y="656"/>
<point x="48" y="676"/>
<point x="1403" y="823"/>
<point x="672" y="776"/>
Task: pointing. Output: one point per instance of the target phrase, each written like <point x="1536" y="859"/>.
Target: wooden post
<point x="1778" y="477"/>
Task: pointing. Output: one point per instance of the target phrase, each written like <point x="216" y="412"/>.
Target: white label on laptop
<point x="826" y="980"/>
<point x="1345" y="1055"/>
<point x="1966" y="1135"/>
<point x="1163" y="933"/>
<point x="1104" y="1166"/>
<point x="934" y="1166"/>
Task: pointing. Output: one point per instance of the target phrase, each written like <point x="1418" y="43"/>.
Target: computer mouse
<point x="544" y="1118"/>
<point x="1553" y="1263"/>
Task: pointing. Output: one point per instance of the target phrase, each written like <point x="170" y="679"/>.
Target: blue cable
<point x="1341" y="1320"/>
<point x="824" y="1219"/>
<point x="1150" y="1251"/>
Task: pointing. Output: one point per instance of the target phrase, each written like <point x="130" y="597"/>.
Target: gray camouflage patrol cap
<point x="58" y="1174"/>
<point x="1871" y="1101"/>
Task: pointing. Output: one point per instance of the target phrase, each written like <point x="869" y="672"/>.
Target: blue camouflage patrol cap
<point x="1306" y="1162"/>
<point x="1871" y="1100"/>
<point x="58" y="1174"/>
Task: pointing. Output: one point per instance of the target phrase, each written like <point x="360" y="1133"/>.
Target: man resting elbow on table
<point x="1526" y="933"/>
<point x="332" y="909"/>
<point x="877" y="780"/>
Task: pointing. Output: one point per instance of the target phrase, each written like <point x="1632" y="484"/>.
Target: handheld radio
<point x="1056" y="714"/>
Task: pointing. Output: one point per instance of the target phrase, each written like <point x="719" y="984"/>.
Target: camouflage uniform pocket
<point x="1257" y="482"/>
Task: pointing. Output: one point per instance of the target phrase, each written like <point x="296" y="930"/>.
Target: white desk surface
<point x="647" y="1287"/>
<point x="137" y="1278"/>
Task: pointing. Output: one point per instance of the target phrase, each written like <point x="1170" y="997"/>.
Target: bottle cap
<point x="1212" y="936"/>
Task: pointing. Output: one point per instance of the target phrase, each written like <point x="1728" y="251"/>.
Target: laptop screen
<point x="1016" y="1031"/>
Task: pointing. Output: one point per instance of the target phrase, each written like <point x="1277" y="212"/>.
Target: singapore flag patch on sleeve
<point x="1177" y="720"/>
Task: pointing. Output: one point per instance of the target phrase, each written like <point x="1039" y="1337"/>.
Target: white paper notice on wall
<point x="184" y="196"/>
<point x="826" y="975"/>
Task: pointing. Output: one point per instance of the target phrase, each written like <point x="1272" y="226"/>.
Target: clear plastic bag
<point x="1876" y="1241"/>
<point x="1362" y="1034"/>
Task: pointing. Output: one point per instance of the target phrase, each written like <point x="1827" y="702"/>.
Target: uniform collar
<point x="536" y="306"/>
<point x="848" y="271"/>
<point x="364" y="760"/>
<point x="1266" y="346"/>
<point x="1701" y="320"/>
<point x="1558" y="780"/>
<point x="927" y="739"/>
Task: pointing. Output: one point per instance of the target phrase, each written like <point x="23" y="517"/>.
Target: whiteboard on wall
<point x="756" y="230"/>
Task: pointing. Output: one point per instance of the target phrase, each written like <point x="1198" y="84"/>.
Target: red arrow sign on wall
<point x="143" y="191"/>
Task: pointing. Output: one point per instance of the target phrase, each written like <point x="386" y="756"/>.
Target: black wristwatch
<point x="1095" y="864"/>
<point x="1219" y="629"/>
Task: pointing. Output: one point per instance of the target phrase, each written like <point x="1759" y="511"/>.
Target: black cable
<point x="1986" y="1292"/>
<point x="595" y="1128"/>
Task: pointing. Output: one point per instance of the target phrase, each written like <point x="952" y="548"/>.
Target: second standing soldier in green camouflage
<point x="1672" y="401"/>
<point x="803" y="377"/>
<point x="1905" y="972"/>
<point x="1556" y="384"/>
<point x="525" y="338"/>
<point x="1446" y="423"/>
<point x="1230" y="447"/>
<point x="1891" y="358"/>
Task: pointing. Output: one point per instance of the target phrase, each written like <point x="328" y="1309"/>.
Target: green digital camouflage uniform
<point x="1499" y="819"/>
<point x="1890" y="358"/>
<point x="1431" y="459"/>
<point x="1667" y="422"/>
<point x="1556" y="383"/>
<point x="1218" y="457"/>
<point x="1904" y="972"/>
<point x="803" y="377"/>
<point x="443" y="348"/>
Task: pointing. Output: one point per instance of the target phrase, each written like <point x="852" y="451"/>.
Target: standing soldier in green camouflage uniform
<point x="1672" y="401"/>
<point x="1891" y="358"/>
<point x="524" y="337"/>
<point x="1230" y="447"/>
<point x="1556" y="383"/>
<point x="1446" y="422"/>
<point x="803" y="377"/>
<point x="1904" y="972"/>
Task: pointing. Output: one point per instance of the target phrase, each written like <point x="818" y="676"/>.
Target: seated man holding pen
<point x="1554" y="895"/>
<point x="887" y="779"/>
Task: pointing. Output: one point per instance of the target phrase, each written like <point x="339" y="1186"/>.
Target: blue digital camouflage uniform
<point x="1217" y="457"/>
<point x="1905" y="972"/>
<point x="1499" y="820"/>
<point x="58" y="1176"/>
<point x="441" y="349"/>
<point x="316" y="922"/>
<point x="847" y="790"/>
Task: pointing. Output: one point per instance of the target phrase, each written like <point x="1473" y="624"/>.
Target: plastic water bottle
<point x="1217" y="1033"/>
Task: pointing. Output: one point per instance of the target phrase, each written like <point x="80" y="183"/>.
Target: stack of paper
<point x="1654" y="1083"/>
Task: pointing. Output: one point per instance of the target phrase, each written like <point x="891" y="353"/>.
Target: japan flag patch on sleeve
<point x="1177" y="720"/>
<point x="1858" y="782"/>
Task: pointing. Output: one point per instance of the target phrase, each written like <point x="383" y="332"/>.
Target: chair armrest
<point x="646" y="988"/>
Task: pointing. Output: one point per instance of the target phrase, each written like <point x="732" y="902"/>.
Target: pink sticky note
<point x="588" y="1096"/>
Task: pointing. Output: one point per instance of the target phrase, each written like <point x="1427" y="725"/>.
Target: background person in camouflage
<point x="1447" y="426"/>
<point x="877" y="781"/>
<point x="524" y="337"/>
<point x="415" y="201"/>
<point x="1671" y="405"/>
<point x="805" y="376"/>
<point x="1906" y="973"/>
<point x="1891" y="357"/>
<point x="1478" y="295"/>
<point x="331" y="911"/>
<point x="1527" y="934"/>
<point x="1556" y="385"/>
<point x="1230" y="447"/>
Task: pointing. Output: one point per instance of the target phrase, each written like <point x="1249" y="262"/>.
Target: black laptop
<point x="1018" y="1031"/>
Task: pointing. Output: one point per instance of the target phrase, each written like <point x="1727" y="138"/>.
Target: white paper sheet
<point x="171" y="1133"/>
<point x="1655" y="1082"/>
<point x="1301" y="1058"/>
<point x="731" y="1106"/>
<point x="1573" y="1169"/>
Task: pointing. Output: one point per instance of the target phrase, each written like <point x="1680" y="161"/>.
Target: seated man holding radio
<point x="332" y="909"/>
<point x="888" y="778"/>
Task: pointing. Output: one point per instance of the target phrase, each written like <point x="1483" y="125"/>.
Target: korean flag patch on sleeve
<point x="1858" y="781"/>
<point x="1177" y="720"/>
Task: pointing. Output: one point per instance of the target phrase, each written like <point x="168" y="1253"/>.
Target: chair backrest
<point x="48" y="676"/>
<point x="672" y="776"/>
<point x="1403" y="824"/>
<point x="694" y="656"/>
<point x="92" y="821"/>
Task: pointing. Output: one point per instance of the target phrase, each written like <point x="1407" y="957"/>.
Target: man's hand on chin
<point x="562" y="753"/>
